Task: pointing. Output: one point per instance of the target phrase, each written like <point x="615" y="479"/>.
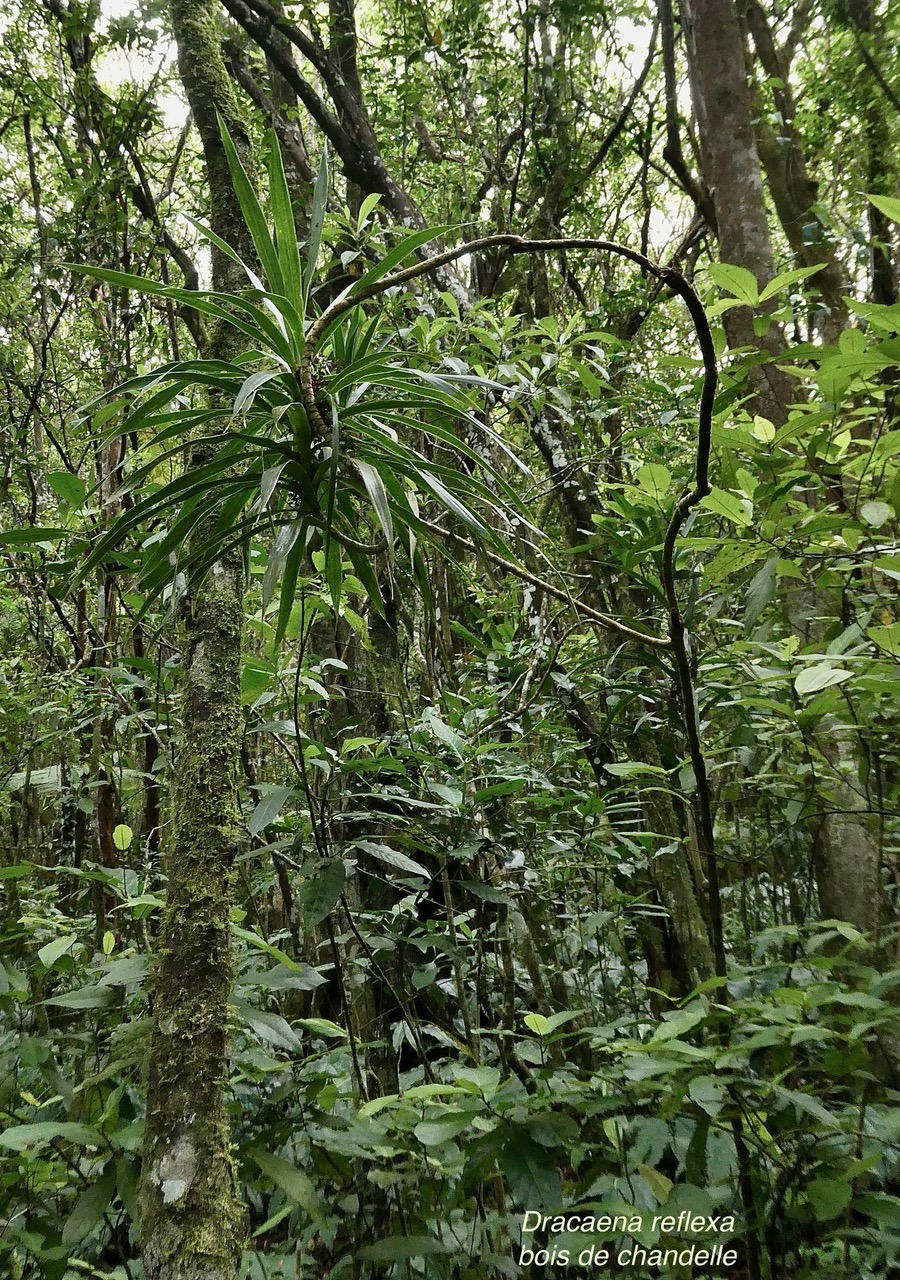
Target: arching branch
<point x="677" y="640"/>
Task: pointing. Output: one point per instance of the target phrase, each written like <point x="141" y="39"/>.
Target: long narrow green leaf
<point x="222" y="245"/>
<point x="316" y="223"/>
<point x="362" y="567"/>
<point x="334" y="463"/>
<point x="282" y="546"/>
<point x="200" y="567"/>
<point x="228" y="454"/>
<point x="287" y="597"/>
<point x="253" y="214"/>
<point x="512" y="496"/>
<point x="334" y="572"/>
<point x="285" y="230"/>
<point x="378" y="495"/>
<point x="200" y="480"/>
<point x="176" y="423"/>
<point x="398" y="254"/>
<point x="243" y="401"/>
<point x="264" y="332"/>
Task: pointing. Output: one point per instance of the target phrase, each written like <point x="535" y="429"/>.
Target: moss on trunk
<point x="192" y="1224"/>
<point x="191" y="1220"/>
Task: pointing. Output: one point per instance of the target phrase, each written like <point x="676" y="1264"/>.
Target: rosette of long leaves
<point x="243" y="461"/>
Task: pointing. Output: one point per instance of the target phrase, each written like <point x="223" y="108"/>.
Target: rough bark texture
<point x="191" y="1219"/>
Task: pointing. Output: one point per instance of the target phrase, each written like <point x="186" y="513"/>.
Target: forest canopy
<point x="449" y="643"/>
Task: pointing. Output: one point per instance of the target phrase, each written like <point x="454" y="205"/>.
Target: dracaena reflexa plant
<point x="338" y="447"/>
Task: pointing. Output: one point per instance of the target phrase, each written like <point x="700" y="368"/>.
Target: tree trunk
<point x="191" y="1219"/>
<point x="731" y="172"/>
<point x="846" y="843"/>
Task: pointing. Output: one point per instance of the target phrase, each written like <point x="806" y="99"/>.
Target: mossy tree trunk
<point x="191" y="1218"/>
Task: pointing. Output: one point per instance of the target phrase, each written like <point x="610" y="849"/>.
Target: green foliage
<point x="470" y="873"/>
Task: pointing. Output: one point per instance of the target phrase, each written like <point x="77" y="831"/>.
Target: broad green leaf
<point x="728" y="505"/>
<point x="729" y="559"/>
<point x="20" y="1136"/>
<point x="829" y="1197"/>
<point x="875" y="513"/>
<point x="885" y="1209"/>
<point x="537" y="1023"/>
<point x="678" y="1025"/>
<point x="760" y="592"/>
<point x="560" y="1019"/>
<point x="887" y="638"/>
<point x="68" y="487"/>
<point x="763" y="429"/>
<point x="708" y="1093"/>
<point x="299" y="977"/>
<point x="888" y="205"/>
<point x="787" y="278"/>
<point x="812" y="679"/>
<point x="292" y="1181"/>
<point x="402" y="1248"/>
<point x="735" y="280"/>
<point x="393" y="859"/>
<point x="445" y="734"/>
<point x="84" y="998"/>
<point x="127" y="971"/>
<point x="89" y="1209"/>
<point x="320" y="890"/>
<point x="122" y="836"/>
<point x="654" y="479"/>
<point x="51" y="951"/>
<point x="889" y="565"/>
<point x="482" y="1080"/>
<point x="497" y="789"/>
<point x="371" y="202"/>
<point x="272" y="798"/>
<point x="530" y="1173"/>
<point x="659" y="1184"/>
<point x="434" y="1131"/>
<point x="270" y="1027"/>
<point x="322" y="1027"/>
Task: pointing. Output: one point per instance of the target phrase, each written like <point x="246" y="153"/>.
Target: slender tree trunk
<point x="191" y="1219"/>
<point x="846" y="843"/>
<point x="731" y="172"/>
<point x="794" y="192"/>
